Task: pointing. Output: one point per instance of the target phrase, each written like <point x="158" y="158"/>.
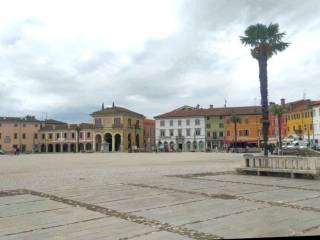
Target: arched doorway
<point x="138" y="140"/>
<point x="195" y="146"/>
<point x="189" y="146"/>
<point x="129" y="141"/>
<point x="81" y="147"/>
<point x="172" y="146"/>
<point x="72" y="147"/>
<point x="58" y="147"/>
<point x="117" y="142"/>
<point x="98" y="143"/>
<point x="108" y="139"/>
<point x="65" y="148"/>
<point x="88" y="147"/>
<point x="201" y="146"/>
<point x="50" y="148"/>
<point x="43" y="148"/>
<point x="166" y="147"/>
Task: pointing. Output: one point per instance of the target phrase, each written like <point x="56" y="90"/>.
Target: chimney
<point x="283" y="101"/>
<point x="211" y="106"/>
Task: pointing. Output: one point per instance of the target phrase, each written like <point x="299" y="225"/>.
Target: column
<point x="113" y="143"/>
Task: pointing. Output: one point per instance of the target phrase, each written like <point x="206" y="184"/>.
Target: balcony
<point x="117" y="125"/>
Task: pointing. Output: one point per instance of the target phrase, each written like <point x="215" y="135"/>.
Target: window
<point x="36" y="125"/>
<point x="214" y="135"/>
<point x="35" y="136"/>
<point x="188" y="122"/>
<point x="208" y="134"/>
<point x="197" y="121"/>
<point x="16" y="125"/>
<point x="117" y="121"/>
<point x="171" y="133"/>
<point x="221" y="117"/>
<point x="72" y="135"/>
<point x="221" y="125"/>
<point x="171" y="123"/>
<point x="179" y="122"/>
<point x="15" y="136"/>
<point x="180" y="132"/>
<point x="65" y="135"/>
<point x="43" y="136"/>
<point x="0" y="136"/>
<point x="97" y="121"/>
<point x="228" y="121"/>
<point x="246" y="121"/>
<point x="81" y="135"/>
<point x="137" y="123"/>
<point x="0" y="124"/>
<point x="129" y="122"/>
<point x="162" y="123"/>
<point x="24" y="125"/>
<point x="198" y="131"/>
<point x="208" y="118"/>
<point x="162" y="133"/>
<point x="228" y="133"/>
<point x="50" y="135"/>
<point x="188" y="132"/>
<point x="57" y="135"/>
<point x="220" y="134"/>
<point x="208" y="125"/>
<point x="88" y="134"/>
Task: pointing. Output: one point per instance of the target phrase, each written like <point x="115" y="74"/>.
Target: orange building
<point x="248" y="129"/>
<point x="149" y="131"/>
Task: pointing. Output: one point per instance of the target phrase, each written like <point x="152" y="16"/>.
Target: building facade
<point x="214" y="131"/>
<point x="149" y="129"/>
<point x="299" y="119"/>
<point x="117" y="129"/>
<point x="316" y="122"/>
<point x="181" y="130"/>
<point x="22" y="133"/>
<point x="66" y="138"/>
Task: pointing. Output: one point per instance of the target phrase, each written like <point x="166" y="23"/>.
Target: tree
<point x="265" y="41"/>
<point x="78" y="129"/>
<point x="235" y="119"/>
<point x="278" y="111"/>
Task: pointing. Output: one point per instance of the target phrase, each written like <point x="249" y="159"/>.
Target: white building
<point x="181" y="130"/>
<point x="316" y="121"/>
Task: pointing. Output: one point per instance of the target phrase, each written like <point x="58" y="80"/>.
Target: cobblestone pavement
<point x="149" y="196"/>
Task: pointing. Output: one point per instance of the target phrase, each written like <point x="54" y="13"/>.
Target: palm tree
<point x="278" y="110"/>
<point x="235" y="119"/>
<point x="265" y="41"/>
<point x="78" y="129"/>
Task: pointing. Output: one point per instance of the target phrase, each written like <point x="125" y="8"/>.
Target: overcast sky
<point x="67" y="57"/>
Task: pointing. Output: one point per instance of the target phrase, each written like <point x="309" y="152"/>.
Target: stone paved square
<point x="149" y="196"/>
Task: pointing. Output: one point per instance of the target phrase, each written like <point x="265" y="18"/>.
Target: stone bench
<point x="292" y="165"/>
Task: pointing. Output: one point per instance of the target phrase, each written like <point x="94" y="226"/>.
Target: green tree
<point x="278" y="111"/>
<point x="78" y="129"/>
<point x="265" y="41"/>
<point x="235" y="119"/>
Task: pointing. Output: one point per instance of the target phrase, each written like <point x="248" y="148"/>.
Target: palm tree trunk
<point x="263" y="77"/>
<point x="279" y="126"/>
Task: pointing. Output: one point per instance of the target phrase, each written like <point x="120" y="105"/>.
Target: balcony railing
<point x="117" y="125"/>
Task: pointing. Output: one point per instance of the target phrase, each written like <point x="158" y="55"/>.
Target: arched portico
<point x="88" y="147"/>
<point x="65" y="147"/>
<point x="43" y="148"/>
<point x="117" y="142"/>
<point x="98" y="141"/>
<point x="108" y="139"/>
<point x="137" y="140"/>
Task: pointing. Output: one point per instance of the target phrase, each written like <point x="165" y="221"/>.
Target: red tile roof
<point x="197" y="112"/>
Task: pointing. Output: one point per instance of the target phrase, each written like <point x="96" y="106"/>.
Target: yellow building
<point x="117" y="129"/>
<point x="299" y="119"/>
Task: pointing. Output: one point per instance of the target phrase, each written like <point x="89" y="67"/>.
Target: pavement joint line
<point x="169" y="205"/>
<point x="227" y="215"/>
<point x="35" y="212"/>
<point x="236" y="197"/>
<point x="55" y="226"/>
<point x="197" y="176"/>
<point x="139" y="235"/>
<point x="17" y="203"/>
<point x="177" y="229"/>
<point x="15" y="192"/>
<point x="193" y="175"/>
